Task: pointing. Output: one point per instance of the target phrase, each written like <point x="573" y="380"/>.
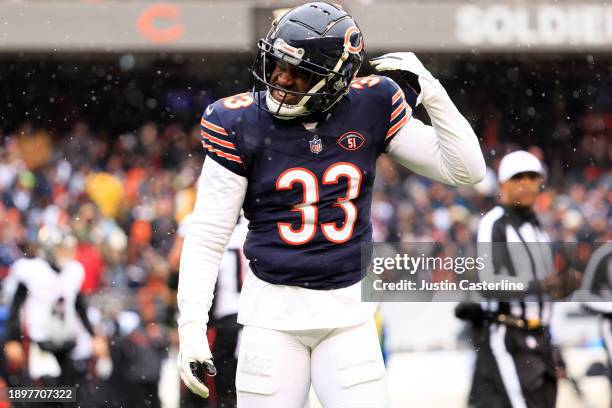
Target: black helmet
<point x="322" y="41"/>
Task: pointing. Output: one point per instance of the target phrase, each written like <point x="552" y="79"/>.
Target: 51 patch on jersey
<point x="351" y="140"/>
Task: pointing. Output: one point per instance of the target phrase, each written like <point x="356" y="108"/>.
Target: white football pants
<point x="345" y="366"/>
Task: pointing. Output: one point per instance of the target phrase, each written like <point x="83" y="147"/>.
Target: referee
<point x="515" y="366"/>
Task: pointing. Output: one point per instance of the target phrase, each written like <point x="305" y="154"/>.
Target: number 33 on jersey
<point x="309" y="191"/>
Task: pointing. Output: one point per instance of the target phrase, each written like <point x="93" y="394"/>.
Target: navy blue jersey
<point x="309" y="191"/>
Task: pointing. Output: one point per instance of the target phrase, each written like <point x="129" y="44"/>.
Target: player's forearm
<point x="419" y="148"/>
<point x="81" y="309"/>
<point x="13" y="327"/>
<point x="220" y="197"/>
<point x="198" y="273"/>
<point x="449" y="151"/>
<point x="461" y="160"/>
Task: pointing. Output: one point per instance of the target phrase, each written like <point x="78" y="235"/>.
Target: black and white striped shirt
<point x="516" y="249"/>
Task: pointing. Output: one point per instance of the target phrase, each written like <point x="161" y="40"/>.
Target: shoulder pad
<point x="229" y="109"/>
<point x="217" y="130"/>
<point x="367" y="82"/>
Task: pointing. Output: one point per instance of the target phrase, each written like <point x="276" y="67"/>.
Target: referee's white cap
<point x="519" y="162"/>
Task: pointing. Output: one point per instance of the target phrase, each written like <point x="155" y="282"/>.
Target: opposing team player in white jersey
<point x="47" y="288"/>
<point x="298" y="154"/>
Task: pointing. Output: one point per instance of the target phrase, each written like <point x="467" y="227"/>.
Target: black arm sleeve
<point x="13" y="326"/>
<point x="81" y="308"/>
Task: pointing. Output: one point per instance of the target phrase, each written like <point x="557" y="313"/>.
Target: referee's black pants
<point x="514" y="368"/>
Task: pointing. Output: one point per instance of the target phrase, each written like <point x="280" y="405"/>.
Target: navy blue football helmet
<point x="324" y="44"/>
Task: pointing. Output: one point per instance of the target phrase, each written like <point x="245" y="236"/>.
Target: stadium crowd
<point x="124" y="192"/>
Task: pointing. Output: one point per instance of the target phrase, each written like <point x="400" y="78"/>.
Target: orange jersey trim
<point x="222" y="154"/>
<point x="397" y="95"/>
<point x="397" y="111"/>
<point x="218" y="141"/>
<point x="396" y="127"/>
<point x="213" y="127"/>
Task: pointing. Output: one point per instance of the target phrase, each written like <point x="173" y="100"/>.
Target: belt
<point x="530" y="324"/>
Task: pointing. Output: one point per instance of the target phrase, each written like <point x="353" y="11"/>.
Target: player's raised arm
<point x="220" y="197"/>
<point x="447" y="151"/>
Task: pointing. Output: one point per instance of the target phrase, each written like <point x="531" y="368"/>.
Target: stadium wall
<point x="216" y="26"/>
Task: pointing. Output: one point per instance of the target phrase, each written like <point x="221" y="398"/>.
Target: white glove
<point x="407" y="61"/>
<point x="194" y="358"/>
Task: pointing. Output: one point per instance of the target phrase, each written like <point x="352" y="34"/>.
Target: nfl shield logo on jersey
<point x="316" y="145"/>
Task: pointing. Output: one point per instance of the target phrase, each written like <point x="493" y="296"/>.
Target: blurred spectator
<point x="35" y="147"/>
<point x="87" y="252"/>
<point x="106" y="191"/>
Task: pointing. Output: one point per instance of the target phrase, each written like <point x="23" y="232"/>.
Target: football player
<point x="47" y="288"/>
<point x="298" y="154"/>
